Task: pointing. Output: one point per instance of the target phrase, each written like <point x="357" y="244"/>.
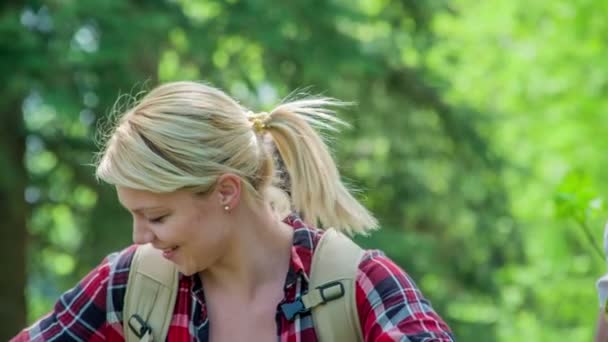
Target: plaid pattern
<point x="391" y="308"/>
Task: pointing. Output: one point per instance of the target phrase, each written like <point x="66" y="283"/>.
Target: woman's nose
<point x="141" y="234"/>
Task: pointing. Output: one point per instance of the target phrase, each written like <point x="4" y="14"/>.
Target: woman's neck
<point x="257" y="254"/>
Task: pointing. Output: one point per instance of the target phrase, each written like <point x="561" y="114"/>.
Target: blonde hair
<point x="187" y="134"/>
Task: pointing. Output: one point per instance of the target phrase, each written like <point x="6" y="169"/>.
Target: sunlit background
<point x="479" y="137"/>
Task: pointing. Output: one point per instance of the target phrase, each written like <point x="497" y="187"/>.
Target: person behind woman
<point x="194" y="169"/>
<point x="601" y="333"/>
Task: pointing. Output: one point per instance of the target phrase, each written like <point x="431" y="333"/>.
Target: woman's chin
<point x="186" y="270"/>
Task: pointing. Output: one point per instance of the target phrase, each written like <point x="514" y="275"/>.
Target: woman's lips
<point x="169" y="253"/>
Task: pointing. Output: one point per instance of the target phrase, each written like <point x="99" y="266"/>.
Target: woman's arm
<point x="391" y="308"/>
<point x="601" y="334"/>
<point x="80" y="314"/>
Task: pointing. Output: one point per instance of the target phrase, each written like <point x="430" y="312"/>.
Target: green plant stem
<point x="592" y="241"/>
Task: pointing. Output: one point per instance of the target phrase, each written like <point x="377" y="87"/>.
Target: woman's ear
<point x="228" y="190"/>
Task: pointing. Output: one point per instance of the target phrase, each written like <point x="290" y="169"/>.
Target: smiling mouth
<point x="168" y="253"/>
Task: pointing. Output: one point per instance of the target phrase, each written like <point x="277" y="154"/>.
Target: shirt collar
<point x="305" y="239"/>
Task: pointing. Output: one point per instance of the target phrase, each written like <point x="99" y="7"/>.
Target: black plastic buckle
<point x="326" y="286"/>
<point x="143" y="326"/>
<point x="291" y="309"/>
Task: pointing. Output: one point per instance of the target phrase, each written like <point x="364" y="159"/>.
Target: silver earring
<point x="226" y="207"/>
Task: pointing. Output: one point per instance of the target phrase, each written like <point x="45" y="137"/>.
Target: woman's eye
<point x="158" y="219"/>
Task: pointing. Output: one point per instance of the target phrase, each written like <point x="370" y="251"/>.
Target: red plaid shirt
<point x="391" y="308"/>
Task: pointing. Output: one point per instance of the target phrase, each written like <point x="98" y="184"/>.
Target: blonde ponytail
<point x="317" y="191"/>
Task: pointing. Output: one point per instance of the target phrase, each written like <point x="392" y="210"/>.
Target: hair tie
<point x="259" y="121"/>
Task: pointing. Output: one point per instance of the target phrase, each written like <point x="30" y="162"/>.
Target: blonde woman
<point x="193" y="168"/>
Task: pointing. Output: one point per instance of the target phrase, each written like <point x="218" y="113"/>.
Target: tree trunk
<point x="13" y="213"/>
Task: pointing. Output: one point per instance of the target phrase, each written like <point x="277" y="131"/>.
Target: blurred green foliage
<point x="476" y="137"/>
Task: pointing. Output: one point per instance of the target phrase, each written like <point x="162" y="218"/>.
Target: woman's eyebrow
<point x="142" y="209"/>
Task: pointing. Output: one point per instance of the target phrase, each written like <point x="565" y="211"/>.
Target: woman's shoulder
<point x="120" y="261"/>
<point x="113" y="266"/>
<point x="94" y="304"/>
<point x="379" y="277"/>
<point x="376" y="266"/>
<point x="119" y="265"/>
<point x="391" y="304"/>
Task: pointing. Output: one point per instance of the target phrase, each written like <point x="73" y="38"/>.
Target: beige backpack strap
<point x="331" y="294"/>
<point x="150" y="298"/>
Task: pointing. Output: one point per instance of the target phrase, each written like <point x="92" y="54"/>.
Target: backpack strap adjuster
<point x="323" y="294"/>
<point x="319" y="295"/>
<point x="291" y="309"/>
<point x="330" y="291"/>
<point x="138" y="326"/>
